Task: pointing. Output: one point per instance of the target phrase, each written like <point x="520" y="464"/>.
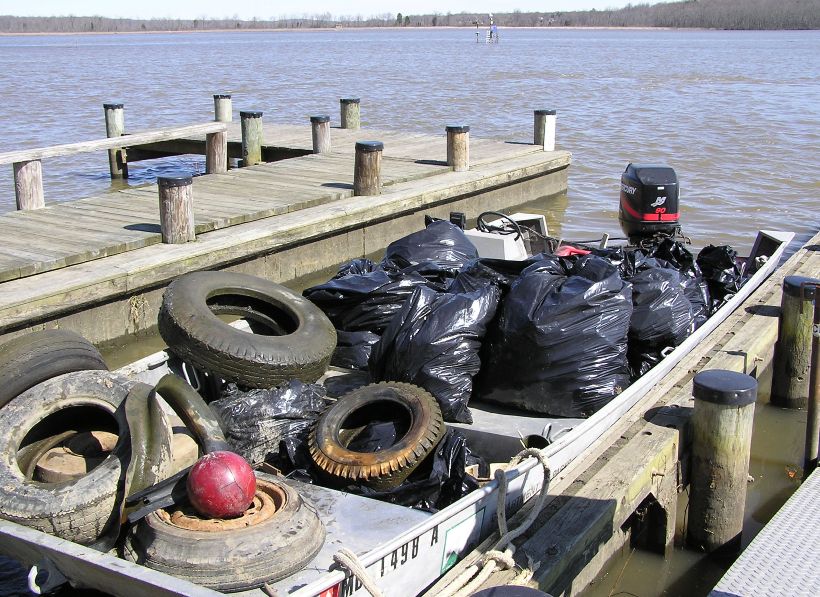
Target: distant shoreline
<point x="352" y="29"/>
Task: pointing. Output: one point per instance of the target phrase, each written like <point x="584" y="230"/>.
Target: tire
<point x="28" y="360"/>
<point x="77" y="510"/>
<point x="236" y="559"/>
<point x="386" y="468"/>
<point x="297" y="342"/>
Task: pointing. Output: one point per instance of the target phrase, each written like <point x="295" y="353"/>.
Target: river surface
<point x="736" y="114"/>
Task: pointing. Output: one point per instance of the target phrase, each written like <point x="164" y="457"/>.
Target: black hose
<point x="191" y="408"/>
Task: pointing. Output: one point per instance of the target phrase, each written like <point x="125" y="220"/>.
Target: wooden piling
<point x="320" y="130"/>
<point x="216" y="152"/>
<point x="367" y="168"/>
<point x="351" y="116"/>
<point x="115" y="127"/>
<point x="792" y="352"/>
<point x="721" y="443"/>
<point x="28" y="184"/>
<point x="458" y="147"/>
<point x="251" y="137"/>
<point x="544" y="129"/>
<point x="223" y="107"/>
<point x="813" y="407"/>
<point x="176" y="209"/>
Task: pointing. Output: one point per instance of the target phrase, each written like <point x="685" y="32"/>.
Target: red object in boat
<point x="221" y="485"/>
<point x="566" y="251"/>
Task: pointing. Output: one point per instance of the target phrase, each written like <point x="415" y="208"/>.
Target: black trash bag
<point x="434" y="343"/>
<point x="440" y="480"/>
<point x="662" y="314"/>
<point x="339" y="385"/>
<point x="696" y="288"/>
<point x="675" y="254"/>
<point x="697" y="291"/>
<point x="256" y="421"/>
<point x="442" y="246"/>
<point x="353" y="349"/>
<point x="560" y="343"/>
<point x="364" y="302"/>
<point x="721" y="271"/>
<point x="499" y="272"/>
<point x="356" y="267"/>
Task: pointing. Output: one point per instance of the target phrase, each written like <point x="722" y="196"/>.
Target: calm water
<point x="737" y="114"/>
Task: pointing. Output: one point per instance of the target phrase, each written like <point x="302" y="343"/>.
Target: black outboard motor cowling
<point x="649" y="201"/>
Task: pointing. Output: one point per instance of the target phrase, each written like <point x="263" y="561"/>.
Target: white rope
<point x="501" y="555"/>
<point x="347" y="559"/>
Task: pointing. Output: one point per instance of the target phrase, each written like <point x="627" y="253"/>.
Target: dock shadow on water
<point x="775" y="468"/>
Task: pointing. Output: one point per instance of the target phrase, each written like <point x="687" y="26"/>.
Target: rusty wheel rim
<point x="268" y="500"/>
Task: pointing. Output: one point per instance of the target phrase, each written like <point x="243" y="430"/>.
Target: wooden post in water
<point x="251" y="137"/>
<point x="216" y="152"/>
<point x="115" y="127"/>
<point x="351" y="116"/>
<point x="458" y="147"/>
<point x="320" y="129"/>
<point x="792" y="352"/>
<point x="544" y="129"/>
<point x="176" y="209"/>
<point x="28" y="184"/>
<point x="223" y="107"/>
<point x="721" y="443"/>
<point x="367" y="179"/>
<point x="813" y="407"/>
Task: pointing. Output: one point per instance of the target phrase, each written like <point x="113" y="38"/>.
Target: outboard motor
<point x="649" y="202"/>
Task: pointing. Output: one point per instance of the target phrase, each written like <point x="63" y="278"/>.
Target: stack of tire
<point x="55" y="388"/>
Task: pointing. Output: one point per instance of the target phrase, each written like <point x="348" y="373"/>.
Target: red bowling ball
<point x="221" y="485"/>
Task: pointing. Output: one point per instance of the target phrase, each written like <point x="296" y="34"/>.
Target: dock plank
<point x="127" y="219"/>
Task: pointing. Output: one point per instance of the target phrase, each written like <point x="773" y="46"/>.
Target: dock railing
<point x="28" y="168"/>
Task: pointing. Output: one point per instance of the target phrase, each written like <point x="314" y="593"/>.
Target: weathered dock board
<point x="625" y="488"/>
<point x="279" y="220"/>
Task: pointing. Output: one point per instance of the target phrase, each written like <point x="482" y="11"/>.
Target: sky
<point x="265" y="9"/>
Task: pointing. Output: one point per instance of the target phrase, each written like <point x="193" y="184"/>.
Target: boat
<point x="401" y="550"/>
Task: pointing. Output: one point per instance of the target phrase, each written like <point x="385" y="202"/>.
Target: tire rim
<point x="268" y="500"/>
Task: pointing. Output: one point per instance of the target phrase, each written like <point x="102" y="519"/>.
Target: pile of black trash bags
<point x="555" y="335"/>
<point x="552" y="334"/>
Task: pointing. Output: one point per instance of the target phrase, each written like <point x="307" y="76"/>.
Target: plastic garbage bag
<point x="441" y="245"/>
<point x="500" y="272"/>
<point x="696" y="288"/>
<point x="353" y="349"/>
<point x="721" y="271"/>
<point x="662" y="314"/>
<point x="356" y="300"/>
<point x="434" y="343"/>
<point x="561" y="340"/>
<point x="339" y="385"/>
<point x="255" y="422"/>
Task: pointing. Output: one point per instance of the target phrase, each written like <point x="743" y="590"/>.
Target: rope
<point x="501" y="555"/>
<point x="347" y="559"/>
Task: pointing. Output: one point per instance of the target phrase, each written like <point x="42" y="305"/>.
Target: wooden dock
<point x="625" y="489"/>
<point x="105" y="251"/>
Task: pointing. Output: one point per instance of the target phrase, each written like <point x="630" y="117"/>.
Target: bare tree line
<point x="710" y="14"/>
